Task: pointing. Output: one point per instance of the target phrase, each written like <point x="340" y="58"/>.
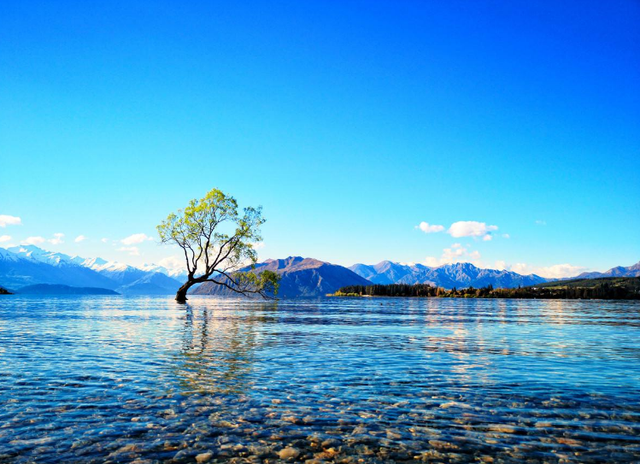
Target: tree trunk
<point x="181" y="295"/>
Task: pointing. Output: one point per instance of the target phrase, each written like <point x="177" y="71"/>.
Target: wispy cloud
<point x="429" y="228"/>
<point x="133" y="251"/>
<point x="460" y="229"/>
<point x="4" y="238"/>
<point x="80" y="238"/>
<point x="57" y="239"/>
<point x="540" y="222"/>
<point x="173" y="263"/>
<point x="457" y="253"/>
<point x="33" y="241"/>
<point x="500" y="265"/>
<point x="6" y="220"/>
<point x="104" y="240"/>
<point x="470" y="229"/>
<point x="556" y="271"/>
<point x="135" y="239"/>
<point x="257" y="245"/>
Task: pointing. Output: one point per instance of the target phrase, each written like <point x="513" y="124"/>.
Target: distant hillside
<point x="47" y="289"/>
<point x="30" y="265"/>
<point x="618" y="271"/>
<point x="300" y="277"/>
<point x="151" y="284"/>
<point x="27" y="265"/>
<point x="629" y="283"/>
<point x="612" y="288"/>
<point x="459" y="275"/>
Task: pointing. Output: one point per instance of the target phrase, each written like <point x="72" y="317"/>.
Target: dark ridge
<point x="49" y="289"/>
<point x="612" y="288"/>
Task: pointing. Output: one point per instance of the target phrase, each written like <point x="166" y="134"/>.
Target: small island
<point x="610" y="288"/>
<point x="50" y="289"/>
<point x="4" y="291"/>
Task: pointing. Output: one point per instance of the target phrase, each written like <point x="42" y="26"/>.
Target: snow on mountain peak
<point x="38" y="254"/>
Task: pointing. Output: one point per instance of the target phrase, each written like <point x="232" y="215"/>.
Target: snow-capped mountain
<point x="91" y="263"/>
<point x="119" y="272"/>
<point x="28" y="265"/>
<point x="458" y="275"/>
<point x="32" y="265"/>
<point x="43" y="256"/>
<point x="8" y="256"/>
<point x="175" y="273"/>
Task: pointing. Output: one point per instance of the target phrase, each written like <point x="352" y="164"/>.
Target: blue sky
<point x="351" y="123"/>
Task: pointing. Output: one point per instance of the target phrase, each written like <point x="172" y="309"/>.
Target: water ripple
<point x="115" y="379"/>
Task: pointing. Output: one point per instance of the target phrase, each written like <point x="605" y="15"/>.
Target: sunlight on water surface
<point x="97" y="379"/>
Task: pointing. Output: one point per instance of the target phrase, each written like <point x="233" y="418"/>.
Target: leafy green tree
<point x="217" y="242"/>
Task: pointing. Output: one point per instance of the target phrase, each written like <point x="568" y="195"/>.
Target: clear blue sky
<point x="349" y="122"/>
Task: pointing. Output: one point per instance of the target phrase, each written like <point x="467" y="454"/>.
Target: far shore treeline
<point x="617" y="288"/>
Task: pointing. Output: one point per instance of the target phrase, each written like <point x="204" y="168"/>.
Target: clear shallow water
<point x="113" y="379"/>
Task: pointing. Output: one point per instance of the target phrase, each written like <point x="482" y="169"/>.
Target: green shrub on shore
<point x="615" y="288"/>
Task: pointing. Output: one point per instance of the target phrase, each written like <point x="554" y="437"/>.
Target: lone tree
<point x="217" y="242"/>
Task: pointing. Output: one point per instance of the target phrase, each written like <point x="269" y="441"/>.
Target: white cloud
<point x="500" y="265"/>
<point x="6" y="220"/>
<point x="57" y="239"/>
<point x="135" y="238"/>
<point x="487" y="238"/>
<point x="133" y="251"/>
<point x="173" y="263"/>
<point x="506" y="236"/>
<point x="450" y="255"/>
<point x="258" y="245"/>
<point x="33" y="241"/>
<point x="104" y="240"/>
<point x="4" y="238"/>
<point x="431" y="261"/>
<point x="429" y="228"/>
<point x="556" y="271"/>
<point x="80" y="238"/>
<point x="470" y="229"/>
<point x="455" y="254"/>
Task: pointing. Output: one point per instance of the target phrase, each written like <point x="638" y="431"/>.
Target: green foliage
<point x="630" y="283"/>
<point x="217" y="240"/>
<point x="267" y="281"/>
<point x="625" y="288"/>
<point x="339" y="293"/>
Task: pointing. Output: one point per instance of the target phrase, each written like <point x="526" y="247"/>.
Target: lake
<point x="115" y="379"/>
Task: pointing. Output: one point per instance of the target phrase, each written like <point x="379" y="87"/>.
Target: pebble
<point x="330" y="443"/>
<point x="502" y="428"/>
<point x="288" y="452"/>
<point x="204" y="457"/>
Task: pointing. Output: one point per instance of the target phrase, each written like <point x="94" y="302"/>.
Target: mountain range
<point x="299" y="277"/>
<point x="448" y="276"/>
<point x="618" y="271"/>
<point x="28" y="265"/>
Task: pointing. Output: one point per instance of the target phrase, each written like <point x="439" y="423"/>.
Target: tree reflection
<point x="219" y="346"/>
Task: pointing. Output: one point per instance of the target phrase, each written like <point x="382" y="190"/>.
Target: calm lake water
<point x="114" y="379"/>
